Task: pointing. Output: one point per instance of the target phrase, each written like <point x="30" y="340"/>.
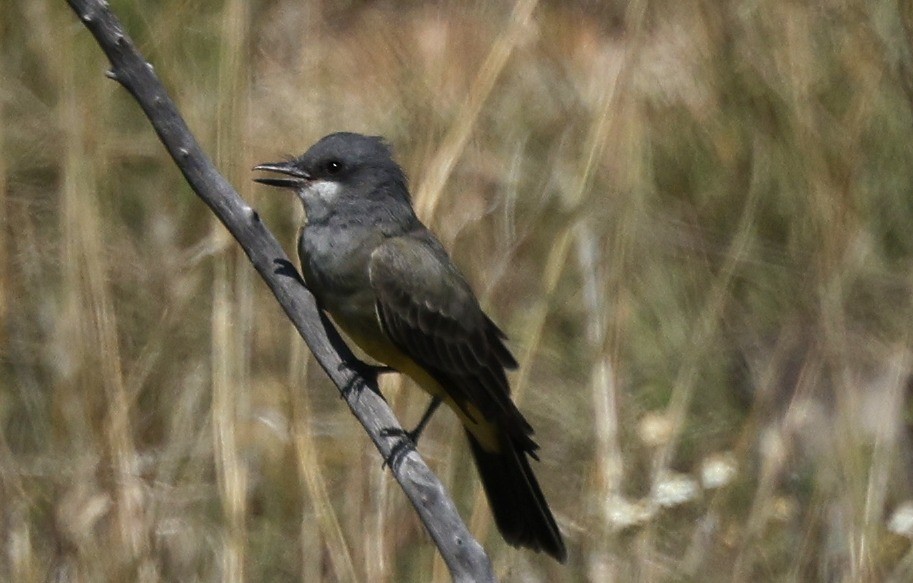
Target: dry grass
<point x="693" y="219"/>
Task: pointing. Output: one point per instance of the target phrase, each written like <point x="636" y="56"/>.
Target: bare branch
<point x="464" y="556"/>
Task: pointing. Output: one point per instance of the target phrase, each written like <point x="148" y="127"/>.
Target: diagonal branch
<point x="464" y="556"/>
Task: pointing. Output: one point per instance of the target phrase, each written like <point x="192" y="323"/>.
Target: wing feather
<point x="429" y="311"/>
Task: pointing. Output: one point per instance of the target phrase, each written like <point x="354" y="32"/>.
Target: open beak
<point x="298" y="176"/>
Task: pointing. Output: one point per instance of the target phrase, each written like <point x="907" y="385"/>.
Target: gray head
<point x="342" y="173"/>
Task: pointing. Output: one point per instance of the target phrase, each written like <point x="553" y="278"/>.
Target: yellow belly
<point x="374" y="343"/>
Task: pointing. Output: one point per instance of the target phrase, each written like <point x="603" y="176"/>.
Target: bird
<point x="390" y="285"/>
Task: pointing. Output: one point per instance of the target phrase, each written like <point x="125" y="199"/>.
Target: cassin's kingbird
<point x="389" y="284"/>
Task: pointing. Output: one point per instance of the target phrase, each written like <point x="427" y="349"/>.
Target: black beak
<point x="298" y="177"/>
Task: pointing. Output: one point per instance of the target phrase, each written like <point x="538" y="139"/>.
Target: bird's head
<point x="341" y="168"/>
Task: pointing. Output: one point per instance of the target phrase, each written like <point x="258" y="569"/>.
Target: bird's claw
<point x="403" y="446"/>
<point x="366" y="376"/>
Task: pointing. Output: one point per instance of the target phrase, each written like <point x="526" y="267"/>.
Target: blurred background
<point x="693" y="218"/>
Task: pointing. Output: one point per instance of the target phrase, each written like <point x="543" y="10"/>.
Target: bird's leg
<point x="366" y="375"/>
<point x="426" y="417"/>
<point x="408" y="439"/>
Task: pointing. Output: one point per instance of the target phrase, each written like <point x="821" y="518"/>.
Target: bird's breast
<point x="334" y="263"/>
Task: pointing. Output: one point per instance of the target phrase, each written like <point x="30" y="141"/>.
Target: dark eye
<point x="333" y="166"/>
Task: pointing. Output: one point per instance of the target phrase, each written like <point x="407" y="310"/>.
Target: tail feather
<point x="516" y="501"/>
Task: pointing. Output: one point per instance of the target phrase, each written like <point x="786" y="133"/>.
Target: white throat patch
<point x="320" y="192"/>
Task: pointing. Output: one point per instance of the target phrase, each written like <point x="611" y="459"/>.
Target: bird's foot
<point x="412" y="436"/>
<point x="366" y="375"/>
<point x="403" y="446"/>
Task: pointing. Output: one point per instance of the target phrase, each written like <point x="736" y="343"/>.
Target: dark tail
<point x="516" y="501"/>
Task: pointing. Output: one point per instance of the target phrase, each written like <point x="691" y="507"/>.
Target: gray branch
<point x="464" y="556"/>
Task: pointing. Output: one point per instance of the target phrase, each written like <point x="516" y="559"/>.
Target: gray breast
<point x="334" y="262"/>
